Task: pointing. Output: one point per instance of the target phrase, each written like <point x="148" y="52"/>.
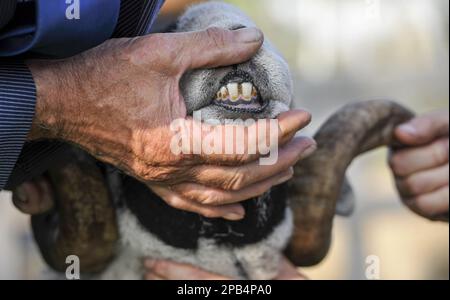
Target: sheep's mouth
<point x="238" y="93"/>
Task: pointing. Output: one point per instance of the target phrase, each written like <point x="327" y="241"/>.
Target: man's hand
<point x="168" y="270"/>
<point x="422" y="169"/>
<point x="117" y="102"/>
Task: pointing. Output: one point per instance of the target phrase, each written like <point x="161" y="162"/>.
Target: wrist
<point x="51" y="91"/>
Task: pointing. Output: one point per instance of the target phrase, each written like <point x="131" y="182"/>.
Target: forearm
<point x="17" y="107"/>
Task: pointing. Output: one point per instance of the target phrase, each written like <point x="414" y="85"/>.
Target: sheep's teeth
<point x="224" y="93"/>
<point x="254" y="92"/>
<point x="236" y="92"/>
<point x="233" y="89"/>
<point x="247" y="91"/>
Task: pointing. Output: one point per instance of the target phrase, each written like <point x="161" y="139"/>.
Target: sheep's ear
<point x="345" y="204"/>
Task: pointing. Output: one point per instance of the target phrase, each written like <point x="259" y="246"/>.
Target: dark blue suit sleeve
<point x="17" y="105"/>
<point x="53" y="35"/>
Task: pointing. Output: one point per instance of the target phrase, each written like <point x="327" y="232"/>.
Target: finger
<point x="423" y="182"/>
<point x="289" y="272"/>
<point x="177" y="271"/>
<point x="213" y="196"/>
<point x="216" y="47"/>
<point x="424" y="129"/>
<point x="408" y="161"/>
<point x="238" y="178"/>
<point x="432" y="205"/>
<point x="152" y="276"/>
<point x="235" y="145"/>
<point x="231" y="212"/>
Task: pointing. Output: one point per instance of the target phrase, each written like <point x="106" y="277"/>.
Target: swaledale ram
<point x="111" y="221"/>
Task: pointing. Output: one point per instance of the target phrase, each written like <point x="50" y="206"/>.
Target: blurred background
<point x="339" y="51"/>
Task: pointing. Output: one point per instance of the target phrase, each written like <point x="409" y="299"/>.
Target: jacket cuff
<point x="17" y="108"/>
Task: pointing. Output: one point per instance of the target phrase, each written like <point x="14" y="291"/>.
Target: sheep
<point x="116" y="220"/>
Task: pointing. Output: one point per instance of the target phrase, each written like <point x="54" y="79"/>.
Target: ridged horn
<point x="83" y="222"/>
<point x="318" y="180"/>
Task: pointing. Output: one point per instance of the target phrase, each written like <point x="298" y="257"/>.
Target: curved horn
<point x="83" y="222"/>
<point x="316" y="187"/>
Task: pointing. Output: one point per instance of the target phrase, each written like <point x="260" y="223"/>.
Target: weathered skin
<point x="316" y="186"/>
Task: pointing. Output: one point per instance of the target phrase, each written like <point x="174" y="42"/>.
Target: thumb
<point x="216" y="47"/>
<point x="424" y="129"/>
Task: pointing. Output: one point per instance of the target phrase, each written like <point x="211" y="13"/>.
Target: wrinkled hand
<point x="167" y="270"/>
<point x="422" y="169"/>
<point x="117" y="102"/>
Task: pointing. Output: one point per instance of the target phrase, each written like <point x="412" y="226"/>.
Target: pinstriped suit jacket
<point x="20" y="161"/>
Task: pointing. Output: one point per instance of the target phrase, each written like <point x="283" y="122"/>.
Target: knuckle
<point x="175" y="203"/>
<point x="143" y="173"/>
<point x="210" y="198"/>
<point x="186" y="195"/>
<point x="237" y="181"/>
<point x="396" y="164"/>
<point x="197" y="197"/>
<point x="158" y="174"/>
<point x="440" y="152"/>
<point x="146" y="175"/>
<point x="421" y="203"/>
<point x="145" y="47"/>
<point x="412" y="185"/>
<point x="217" y="36"/>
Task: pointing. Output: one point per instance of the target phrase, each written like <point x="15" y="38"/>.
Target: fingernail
<point x="284" y="178"/>
<point x="233" y="217"/>
<point x="154" y="277"/>
<point x="21" y="194"/>
<point x="309" y="151"/>
<point x="249" y="35"/>
<point x="408" y="128"/>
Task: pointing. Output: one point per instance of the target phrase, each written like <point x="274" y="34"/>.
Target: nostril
<point x="237" y="27"/>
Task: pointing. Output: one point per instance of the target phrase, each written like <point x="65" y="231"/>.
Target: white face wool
<point x="268" y="71"/>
